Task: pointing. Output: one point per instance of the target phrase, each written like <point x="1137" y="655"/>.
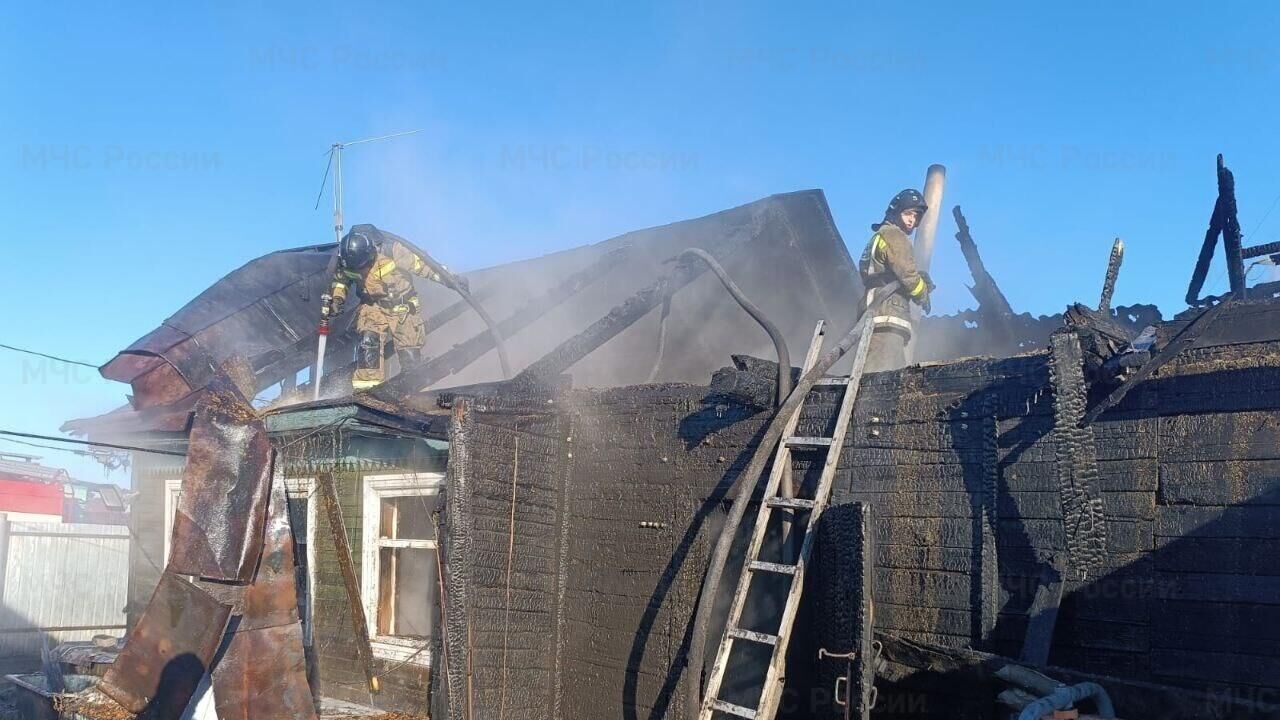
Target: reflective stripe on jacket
<point x="387" y="277"/>
<point x="889" y="256"/>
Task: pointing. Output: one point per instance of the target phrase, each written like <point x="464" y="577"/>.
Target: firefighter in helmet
<point x="890" y="257"/>
<point x="382" y="271"/>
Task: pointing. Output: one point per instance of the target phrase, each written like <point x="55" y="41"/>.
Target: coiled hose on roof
<point x="744" y="486"/>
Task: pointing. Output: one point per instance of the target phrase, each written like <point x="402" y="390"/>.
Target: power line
<point x="45" y="355"/>
<point x="1264" y="216"/>
<point x="48" y="447"/>
<point x="54" y="438"/>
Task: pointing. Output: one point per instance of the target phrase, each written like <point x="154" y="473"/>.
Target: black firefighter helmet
<point x="358" y="249"/>
<point x="904" y="201"/>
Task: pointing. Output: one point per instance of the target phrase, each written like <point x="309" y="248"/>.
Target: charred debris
<point x="1074" y="510"/>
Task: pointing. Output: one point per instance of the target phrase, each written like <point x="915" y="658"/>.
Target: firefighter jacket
<point x="889" y="256"/>
<point x="387" y="281"/>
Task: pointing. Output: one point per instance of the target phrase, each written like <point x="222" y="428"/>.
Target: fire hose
<point x="744" y="486"/>
<point x="453" y="283"/>
<point x="779" y="342"/>
<point x="322" y="332"/>
<point x="1067" y="696"/>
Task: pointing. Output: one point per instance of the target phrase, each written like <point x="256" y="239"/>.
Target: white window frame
<point x="305" y="489"/>
<point x="377" y="487"/>
<point x="172" y="492"/>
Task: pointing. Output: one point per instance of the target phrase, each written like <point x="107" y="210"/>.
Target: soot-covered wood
<point x="616" y="494"/>
<point x="960" y="464"/>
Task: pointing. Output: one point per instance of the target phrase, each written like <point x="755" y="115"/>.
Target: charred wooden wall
<point x="616" y="492"/>
<point x="1190" y="479"/>
<point x="613" y="522"/>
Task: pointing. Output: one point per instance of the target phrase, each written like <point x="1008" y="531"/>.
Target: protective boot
<point x="369" y="368"/>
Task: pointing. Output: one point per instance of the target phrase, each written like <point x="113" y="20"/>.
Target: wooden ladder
<point x="771" y="690"/>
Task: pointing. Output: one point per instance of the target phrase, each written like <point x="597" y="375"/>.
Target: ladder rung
<point x="813" y="442"/>
<point x="732" y="709"/>
<point x="753" y="636"/>
<point x="790" y="503"/>
<point x="778" y="568"/>
<point x="767" y="705"/>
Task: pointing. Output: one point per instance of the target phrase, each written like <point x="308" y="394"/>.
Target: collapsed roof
<point x="784" y="250"/>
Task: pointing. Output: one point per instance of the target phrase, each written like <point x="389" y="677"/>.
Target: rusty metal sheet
<point x="263" y="674"/>
<point x="218" y="527"/>
<point x="272" y="599"/>
<point x="160" y="387"/>
<point x="168" y="651"/>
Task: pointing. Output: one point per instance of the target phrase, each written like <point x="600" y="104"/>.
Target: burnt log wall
<point x="1189" y="469"/>
<point x="958" y="462"/>
<point x="501" y="559"/>
<point x="616" y="492"/>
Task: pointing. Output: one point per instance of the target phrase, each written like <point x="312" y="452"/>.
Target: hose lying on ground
<point x="779" y="342"/>
<point x="1067" y="696"/>
<point x="744" y="486"/>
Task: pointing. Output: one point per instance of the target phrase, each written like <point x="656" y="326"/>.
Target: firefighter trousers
<point x="375" y="325"/>
<point x="888" y="349"/>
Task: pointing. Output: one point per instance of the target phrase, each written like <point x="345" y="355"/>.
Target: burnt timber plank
<point x="1253" y="482"/>
<point x="1043" y="617"/>
<point x="1241" y="521"/>
<point x="468" y="351"/>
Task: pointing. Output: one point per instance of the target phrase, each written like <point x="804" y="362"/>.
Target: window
<point x="172" y="493"/>
<point x="400" y="576"/>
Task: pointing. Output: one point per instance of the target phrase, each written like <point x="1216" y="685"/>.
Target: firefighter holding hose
<point x="889" y="256"/>
<point x="382" y="271"/>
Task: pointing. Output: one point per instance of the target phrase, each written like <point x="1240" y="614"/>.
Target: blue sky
<point x="147" y="151"/>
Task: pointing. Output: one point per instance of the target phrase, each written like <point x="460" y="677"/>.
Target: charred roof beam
<point x="467" y="352"/>
<point x="621" y="317"/>
<point x="1223" y="221"/>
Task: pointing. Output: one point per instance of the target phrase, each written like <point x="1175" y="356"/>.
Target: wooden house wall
<point x="959" y="463"/>
<point x="146" y="527"/>
<point x="607" y="541"/>
<point x="336" y="664"/>
<point x="404" y="686"/>
<point x="1190" y="480"/>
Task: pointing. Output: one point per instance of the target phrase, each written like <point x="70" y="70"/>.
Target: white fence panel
<point x="61" y="580"/>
